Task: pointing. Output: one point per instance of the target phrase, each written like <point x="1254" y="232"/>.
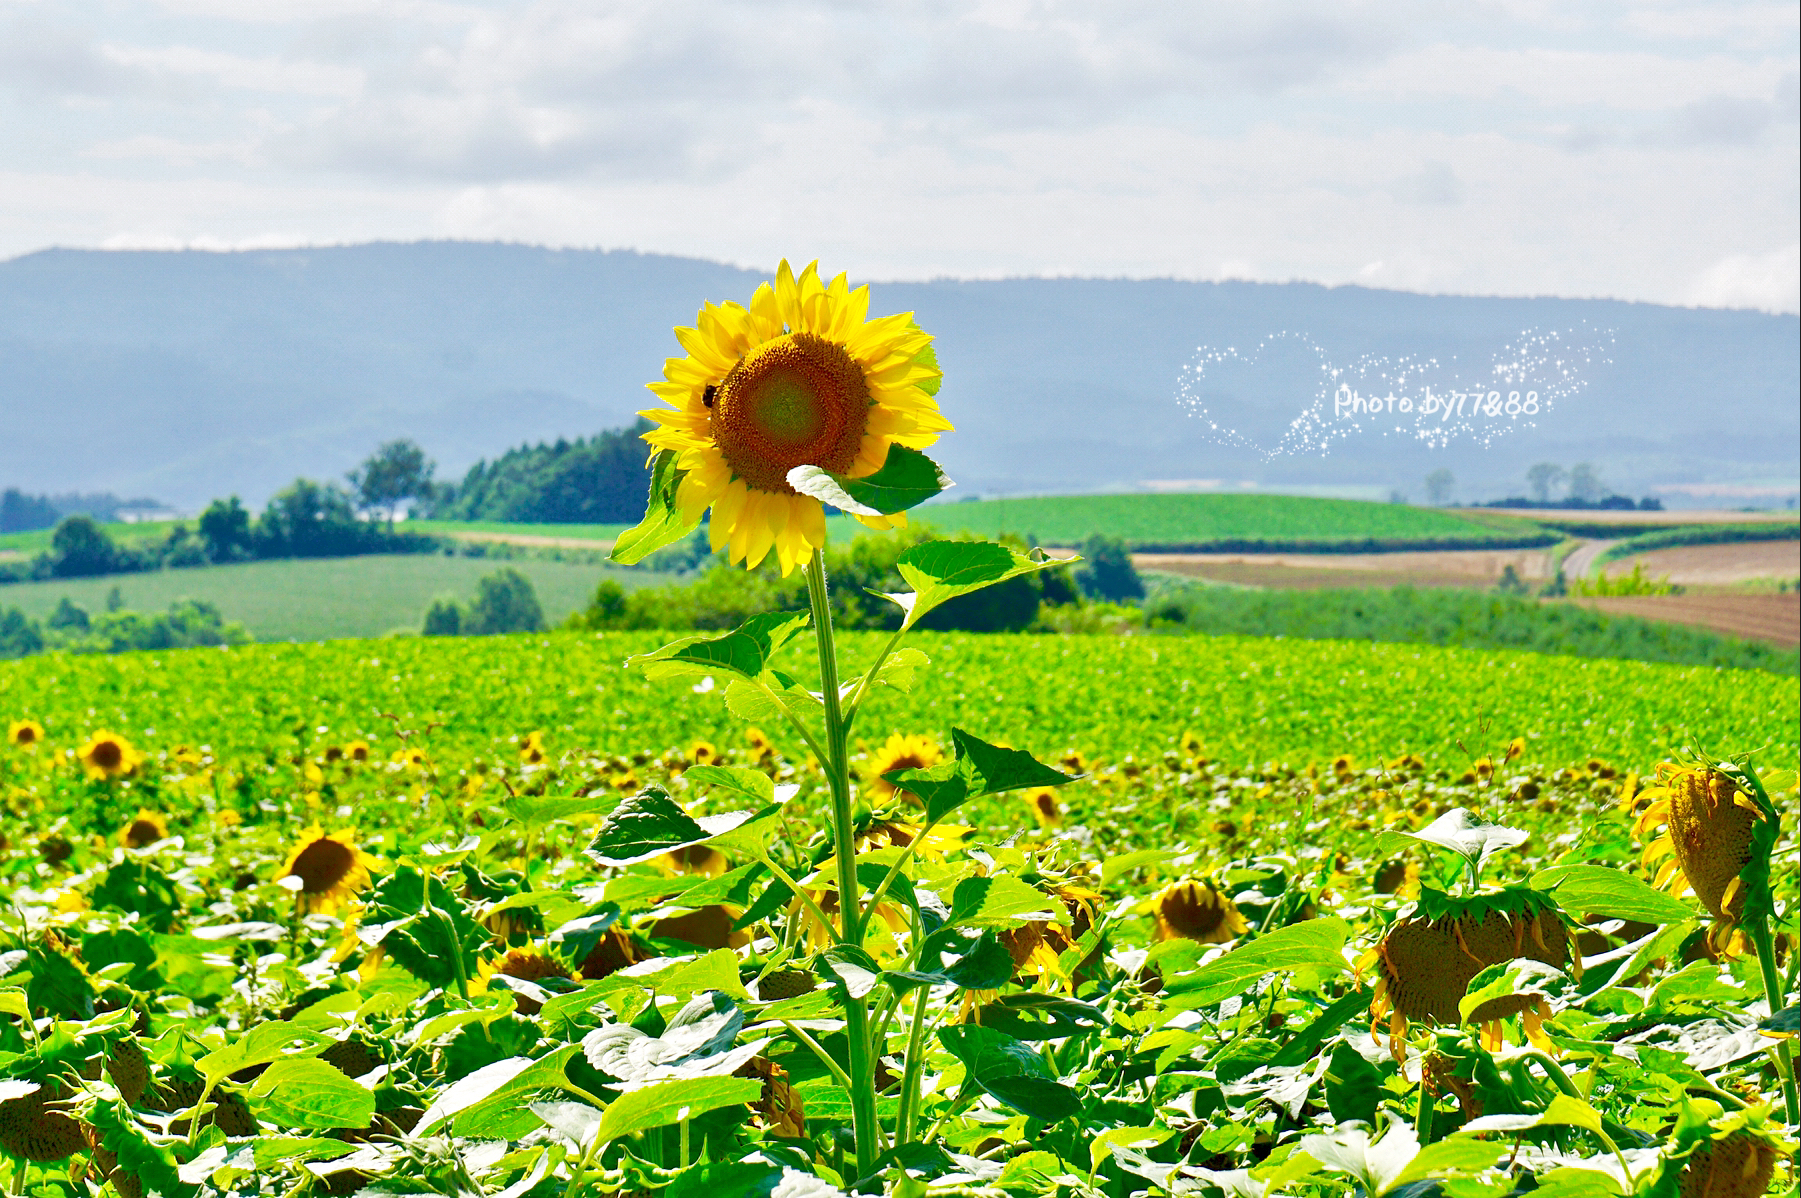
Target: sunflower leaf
<point x="745" y="651"/>
<point x="1598" y="890"/>
<point x="1011" y="1071"/>
<point x="978" y="769"/>
<point x="663" y="522"/>
<point x="1316" y="945"/>
<point x="939" y="571"/>
<point x="650" y="823"/>
<point x="907" y="479"/>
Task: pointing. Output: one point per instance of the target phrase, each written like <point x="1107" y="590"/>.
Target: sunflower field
<point x="978" y="917"/>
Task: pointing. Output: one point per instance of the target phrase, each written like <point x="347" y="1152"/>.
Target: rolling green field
<point x="38" y="539"/>
<point x="1249" y="699"/>
<point x="604" y="533"/>
<point x="323" y="598"/>
<point x="1167" y="521"/>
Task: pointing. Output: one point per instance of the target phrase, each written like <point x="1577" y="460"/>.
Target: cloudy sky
<point x="1641" y="150"/>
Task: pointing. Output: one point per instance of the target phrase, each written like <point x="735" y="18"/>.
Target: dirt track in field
<point x="1772" y="618"/>
<point x="1717" y="565"/>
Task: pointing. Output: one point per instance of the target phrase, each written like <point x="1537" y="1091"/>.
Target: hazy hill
<point x="189" y="375"/>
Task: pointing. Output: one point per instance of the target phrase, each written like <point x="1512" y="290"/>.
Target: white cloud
<point x="1520" y="146"/>
<point x="1771" y="282"/>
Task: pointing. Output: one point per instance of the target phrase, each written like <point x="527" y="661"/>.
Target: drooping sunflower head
<point x="1711" y="838"/>
<point x="24" y="734"/>
<point x="900" y="752"/>
<point x="801" y="377"/>
<point x="146" y="828"/>
<point x="330" y="869"/>
<point x="1716" y="1153"/>
<point x="1196" y="911"/>
<point x="108" y="755"/>
<point x="704" y="860"/>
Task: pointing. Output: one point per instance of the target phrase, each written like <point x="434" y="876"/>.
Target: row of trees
<point x="1581" y="486"/>
<point x="188" y="623"/>
<point x="308" y="519"/>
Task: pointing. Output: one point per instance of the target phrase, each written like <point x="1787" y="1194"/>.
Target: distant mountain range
<point x="188" y="375"/>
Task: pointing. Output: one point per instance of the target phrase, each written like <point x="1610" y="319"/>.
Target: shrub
<point x="504" y="602"/>
<point x="1106" y="572"/>
<point x="80" y="548"/>
<point x="19" y="634"/>
<point x="443" y="618"/>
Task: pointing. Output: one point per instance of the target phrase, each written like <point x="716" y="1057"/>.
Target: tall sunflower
<point x="108" y="755"/>
<point x="801" y="377"/>
<point x="331" y="869"/>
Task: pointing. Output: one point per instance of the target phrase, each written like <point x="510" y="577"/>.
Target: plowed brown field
<point x="1715" y="565"/>
<point x="1772" y="618"/>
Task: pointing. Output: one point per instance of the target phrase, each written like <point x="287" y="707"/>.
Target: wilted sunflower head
<point x="146" y="828"/>
<point x="1711" y="832"/>
<point x="900" y="752"/>
<point x="331" y="869"/>
<point x="532" y="966"/>
<point x="798" y="378"/>
<point x="1196" y="911"/>
<point x="24" y="734"/>
<point x="108" y="755"/>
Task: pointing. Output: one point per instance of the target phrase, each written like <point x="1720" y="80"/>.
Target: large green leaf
<point x="1001" y="901"/>
<point x="745" y="651"/>
<point x="1316" y="945"/>
<point x="978" y="769"/>
<point x="1598" y="890"/>
<point x="907" y="479"/>
<point x="650" y="823"/>
<point x="663" y="522"/>
<point x="262" y="1044"/>
<point x="424" y="941"/>
<point x="502" y="1112"/>
<point x="1010" y="1070"/>
<point x="306" y="1092"/>
<point x="669" y="1102"/>
<point x="538" y="811"/>
<point x="939" y="571"/>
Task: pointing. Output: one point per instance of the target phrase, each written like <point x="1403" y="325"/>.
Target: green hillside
<point x="323" y="598"/>
<point x="1232" y="522"/>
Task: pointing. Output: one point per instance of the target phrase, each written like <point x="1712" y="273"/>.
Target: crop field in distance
<point x="324" y="598"/>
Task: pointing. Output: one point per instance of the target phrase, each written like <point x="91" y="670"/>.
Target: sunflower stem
<point x="1759" y="928"/>
<point x="864" y="1120"/>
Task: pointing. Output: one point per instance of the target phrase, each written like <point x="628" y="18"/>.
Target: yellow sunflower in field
<point x="24" y="734"/>
<point x="146" y="828"/>
<point x="1196" y="911"/>
<point x="1042" y="803"/>
<point x="331" y="869"/>
<point x="900" y="753"/>
<point x="107" y="755"/>
<point x="531" y="749"/>
<point x="799" y="378"/>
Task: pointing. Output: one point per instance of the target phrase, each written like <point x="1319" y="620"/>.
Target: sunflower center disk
<point x="322" y="865"/>
<point x="798" y="400"/>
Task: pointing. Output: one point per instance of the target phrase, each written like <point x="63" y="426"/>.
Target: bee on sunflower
<point x="799" y="378"/>
<point x="107" y="756"/>
<point x="330" y="869"/>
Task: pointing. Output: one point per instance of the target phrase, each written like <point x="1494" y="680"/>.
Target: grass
<point x="603" y="534"/>
<point x="26" y="544"/>
<point x="1698" y="534"/>
<point x="323" y="598"/>
<point x="1228" y="522"/>
<point x="1452" y="617"/>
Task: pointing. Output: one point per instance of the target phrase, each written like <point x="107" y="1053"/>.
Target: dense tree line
<point x="187" y="623"/>
<point x="594" y="480"/>
<point x="308" y="519"/>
